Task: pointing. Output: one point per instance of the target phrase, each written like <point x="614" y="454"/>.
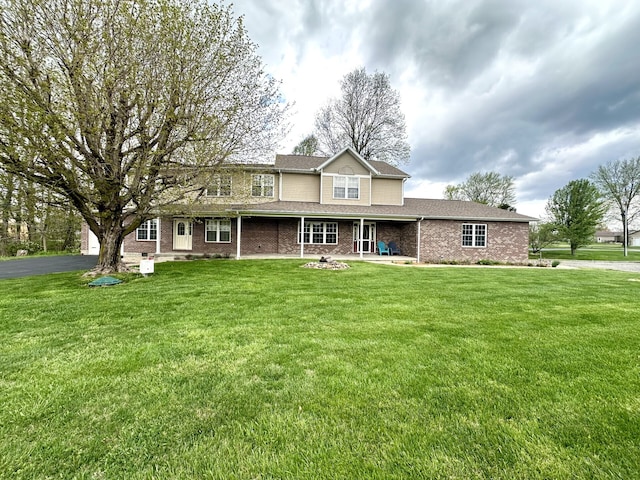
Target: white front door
<point x="368" y="237"/>
<point x="182" y="234"/>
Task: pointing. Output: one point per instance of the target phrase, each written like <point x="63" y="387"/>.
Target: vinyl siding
<point x="386" y="192"/>
<point x="300" y="188"/>
<point x="345" y="164"/>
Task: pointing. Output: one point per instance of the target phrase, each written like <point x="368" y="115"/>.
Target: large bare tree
<point x="119" y="105"/>
<point x="367" y="117"/>
<point x="490" y="188"/>
<point x="619" y="183"/>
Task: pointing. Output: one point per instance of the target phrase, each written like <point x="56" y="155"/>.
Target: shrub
<point x="486" y="261"/>
<point x="30" y="247"/>
<point x="555" y="263"/>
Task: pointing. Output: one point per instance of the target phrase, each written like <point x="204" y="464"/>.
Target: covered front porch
<point x="276" y="236"/>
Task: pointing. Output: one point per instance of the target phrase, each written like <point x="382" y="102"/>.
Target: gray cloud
<point x="517" y="86"/>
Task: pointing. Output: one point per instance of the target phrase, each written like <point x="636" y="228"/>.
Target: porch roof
<point x="413" y="209"/>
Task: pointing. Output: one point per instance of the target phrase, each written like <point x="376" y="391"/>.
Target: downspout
<point x="419" y="238"/>
<point x="301" y="237"/>
<point x="238" y="235"/>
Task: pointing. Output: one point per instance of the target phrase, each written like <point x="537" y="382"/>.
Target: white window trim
<point x="474" y="235"/>
<point x="262" y="185"/>
<point x="146" y="226"/>
<point x="347" y="179"/>
<point x="217" y="222"/>
<point x="214" y="189"/>
<point x="324" y="233"/>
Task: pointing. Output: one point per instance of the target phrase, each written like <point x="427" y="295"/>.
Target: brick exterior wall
<point x="84" y="239"/>
<point x="404" y="234"/>
<point x="442" y="241"/>
<point x="260" y="235"/>
<point x="135" y="247"/>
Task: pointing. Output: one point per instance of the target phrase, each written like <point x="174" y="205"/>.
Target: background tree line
<point x="575" y="211"/>
<point x="35" y="219"/>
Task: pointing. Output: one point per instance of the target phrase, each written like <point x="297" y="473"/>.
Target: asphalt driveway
<point x="26" y="267"/>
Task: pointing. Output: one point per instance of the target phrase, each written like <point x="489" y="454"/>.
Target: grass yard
<point x="265" y="370"/>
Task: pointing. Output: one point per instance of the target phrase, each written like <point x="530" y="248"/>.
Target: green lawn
<point x="265" y="370"/>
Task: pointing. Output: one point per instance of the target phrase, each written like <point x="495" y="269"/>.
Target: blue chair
<point x="382" y="248"/>
<point x="393" y="249"/>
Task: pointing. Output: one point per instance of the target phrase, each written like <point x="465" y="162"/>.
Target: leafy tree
<point x="307" y="146"/>
<point x="542" y="235"/>
<point x="576" y="210"/>
<point x="120" y="105"/>
<point x="49" y="220"/>
<point x="619" y="183"/>
<point x="489" y="188"/>
<point x="367" y="117"/>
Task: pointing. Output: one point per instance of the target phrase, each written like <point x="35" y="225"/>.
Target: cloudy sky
<point x="544" y="91"/>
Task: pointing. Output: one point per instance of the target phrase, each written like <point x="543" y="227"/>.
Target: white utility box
<point x="146" y="266"/>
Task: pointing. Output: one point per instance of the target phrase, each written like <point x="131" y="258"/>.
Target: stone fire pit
<point x="326" y="263"/>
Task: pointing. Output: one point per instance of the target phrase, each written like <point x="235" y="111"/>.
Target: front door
<point x="368" y="237"/>
<point x="182" y="234"/>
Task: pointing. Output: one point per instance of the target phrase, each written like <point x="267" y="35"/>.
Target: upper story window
<point x="474" y="235"/>
<point x="217" y="231"/>
<point x="262" y="186"/>
<point x="147" y="230"/>
<point x="220" y="186"/>
<point x="346" y="187"/>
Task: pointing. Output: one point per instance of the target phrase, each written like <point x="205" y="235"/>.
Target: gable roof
<point x="312" y="164"/>
<point x="355" y="155"/>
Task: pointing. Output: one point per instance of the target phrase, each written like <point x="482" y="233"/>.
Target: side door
<point x="182" y="234"/>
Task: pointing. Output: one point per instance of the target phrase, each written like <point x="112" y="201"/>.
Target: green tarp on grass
<point x="104" y="282"/>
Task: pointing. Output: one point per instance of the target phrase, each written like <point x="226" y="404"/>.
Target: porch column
<point x="238" y="236"/>
<point x="418" y="240"/>
<point x="158" y="230"/>
<point x="301" y="237"/>
<point x="360" y="238"/>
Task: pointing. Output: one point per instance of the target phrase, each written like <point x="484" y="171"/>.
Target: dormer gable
<point x="348" y="162"/>
<point x="345" y="178"/>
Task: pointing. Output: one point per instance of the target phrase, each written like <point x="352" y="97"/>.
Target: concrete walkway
<point x="26" y="267"/>
<point x="602" y="265"/>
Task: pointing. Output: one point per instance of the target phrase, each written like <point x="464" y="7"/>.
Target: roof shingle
<point x="413" y="208"/>
<point x="309" y="163"/>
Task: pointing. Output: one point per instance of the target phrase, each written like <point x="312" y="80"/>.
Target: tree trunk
<point x="109" y="260"/>
<point x="625" y="233"/>
<point x="6" y="213"/>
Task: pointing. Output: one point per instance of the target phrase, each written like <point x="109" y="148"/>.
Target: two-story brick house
<point x="311" y="206"/>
